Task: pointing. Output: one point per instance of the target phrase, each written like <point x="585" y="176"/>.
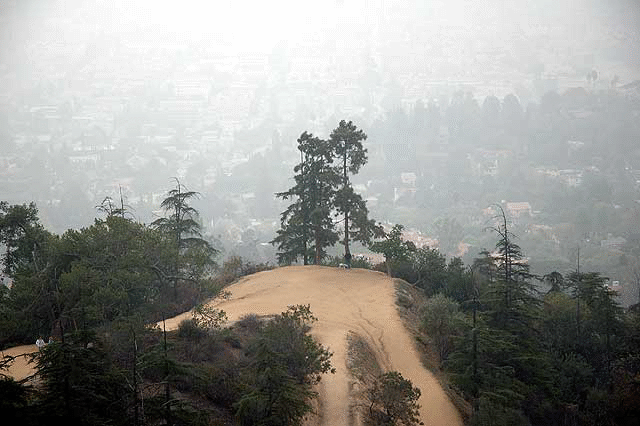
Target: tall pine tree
<point x="322" y="191"/>
<point x="191" y="253"/>
<point x="346" y="144"/>
<point x="307" y="226"/>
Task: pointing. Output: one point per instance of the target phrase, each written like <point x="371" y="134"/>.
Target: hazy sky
<point x="39" y="38"/>
<point x="257" y="25"/>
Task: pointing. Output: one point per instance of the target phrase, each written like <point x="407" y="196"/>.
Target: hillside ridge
<point x="344" y="301"/>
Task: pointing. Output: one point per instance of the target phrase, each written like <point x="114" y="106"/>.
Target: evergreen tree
<point x="286" y="362"/>
<point x="322" y="190"/>
<point x="512" y="295"/>
<point x="23" y="236"/>
<point x="192" y="255"/>
<point x="346" y="144"/>
<point x="81" y="385"/>
<point x="307" y="226"/>
<point x="598" y="318"/>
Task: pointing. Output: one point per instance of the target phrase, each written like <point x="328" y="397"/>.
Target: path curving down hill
<point x="355" y="300"/>
<point x="344" y="301"/>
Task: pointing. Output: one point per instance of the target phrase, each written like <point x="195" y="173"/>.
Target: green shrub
<point x="208" y="317"/>
<point x="356" y="262"/>
<point x="393" y="400"/>
<point x="235" y="267"/>
<point x="250" y="322"/>
<point x="188" y="329"/>
<point x="285" y="363"/>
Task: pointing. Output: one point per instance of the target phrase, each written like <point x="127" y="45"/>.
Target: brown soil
<point x="21" y="367"/>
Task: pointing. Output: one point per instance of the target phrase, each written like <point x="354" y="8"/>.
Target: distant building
<point x="613" y="243"/>
<point x="517" y="210"/>
<point x="571" y="177"/>
<point x="408" y="179"/>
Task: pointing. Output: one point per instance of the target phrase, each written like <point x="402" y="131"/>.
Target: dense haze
<point x="101" y="95"/>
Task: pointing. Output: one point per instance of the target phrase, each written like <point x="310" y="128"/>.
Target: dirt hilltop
<point x="344" y="301"/>
<point x="356" y="300"/>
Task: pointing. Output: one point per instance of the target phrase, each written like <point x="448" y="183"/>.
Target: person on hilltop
<point x="40" y="343"/>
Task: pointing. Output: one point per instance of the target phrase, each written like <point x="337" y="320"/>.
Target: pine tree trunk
<point x="305" y="213"/>
<point x="167" y="389"/>
<point x="136" y="402"/>
<point x="318" y="258"/>
<point x="347" y="253"/>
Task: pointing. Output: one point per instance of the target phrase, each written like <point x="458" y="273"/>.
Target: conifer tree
<point x="191" y="253"/>
<point x="307" y="226"/>
<point x="323" y="190"/>
<point x="512" y="295"/>
<point x="346" y="144"/>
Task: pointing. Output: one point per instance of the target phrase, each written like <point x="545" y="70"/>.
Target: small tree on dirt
<point x="393" y="247"/>
<point x="208" y="317"/>
<point x="393" y="401"/>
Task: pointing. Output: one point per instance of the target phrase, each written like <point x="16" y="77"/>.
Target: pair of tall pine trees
<point x="324" y="205"/>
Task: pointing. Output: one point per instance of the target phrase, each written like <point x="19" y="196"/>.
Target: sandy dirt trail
<point x="21" y="367"/>
<point x="354" y="300"/>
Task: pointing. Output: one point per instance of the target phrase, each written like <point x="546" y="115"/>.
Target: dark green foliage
<point x="459" y="285"/>
<point x="560" y="358"/>
<point x="82" y="386"/>
<point x="15" y="403"/>
<point x="499" y="409"/>
<point x="431" y="269"/>
<point x="307" y="226"/>
<point x="394" y="248"/>
<point x="189" y="329"/>
<point x="323" y="190"/>
<point x="23" y="236"/>
<point x="285" y="364"/>
<point x="393" y="401"/>
<point x="191" y="256"/>
<point x="275" y="397"/>
<point x="356" y="262"/>
<point x="95" y="275"/>
<point x="442" y="320"/>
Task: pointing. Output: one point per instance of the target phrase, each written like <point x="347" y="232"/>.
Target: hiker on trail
<point x="40" y="343"/>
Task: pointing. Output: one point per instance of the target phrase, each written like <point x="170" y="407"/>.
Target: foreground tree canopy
<point x="112" y="269"/>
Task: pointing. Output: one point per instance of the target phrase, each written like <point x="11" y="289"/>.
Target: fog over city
<point x="529" y="105"/>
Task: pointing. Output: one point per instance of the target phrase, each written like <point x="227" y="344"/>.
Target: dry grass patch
<point x="364" y="370"/>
